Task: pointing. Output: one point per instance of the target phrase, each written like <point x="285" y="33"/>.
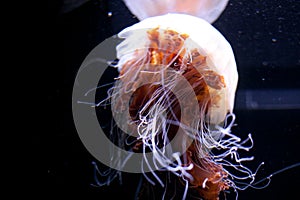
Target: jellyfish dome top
<point x="208" y="10"/>
<point x="175" y="93"/>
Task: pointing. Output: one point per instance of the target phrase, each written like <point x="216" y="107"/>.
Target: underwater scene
<point x="174" y="99"/>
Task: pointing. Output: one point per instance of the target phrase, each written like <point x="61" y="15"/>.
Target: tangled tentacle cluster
<point x="156" y="115"/>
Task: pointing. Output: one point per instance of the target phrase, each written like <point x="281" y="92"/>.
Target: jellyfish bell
<point x="208" y="10"/>
<point x="220" y="72"/>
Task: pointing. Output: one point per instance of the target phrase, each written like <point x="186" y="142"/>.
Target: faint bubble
<point x="265" y="63"/>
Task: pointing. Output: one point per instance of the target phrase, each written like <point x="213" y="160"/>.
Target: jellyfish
<point x="208" y="10"/>
<point x="175" y="96"/>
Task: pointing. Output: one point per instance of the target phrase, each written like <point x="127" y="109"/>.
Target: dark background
<point x="265" y="39"/>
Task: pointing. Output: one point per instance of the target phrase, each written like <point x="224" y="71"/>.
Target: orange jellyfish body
<point x="175" y="94"/>
<point x="166" y="50"/>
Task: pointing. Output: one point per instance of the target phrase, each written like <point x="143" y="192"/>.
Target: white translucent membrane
<point x="210" y="43"/>
<point x="208" y="10"/>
